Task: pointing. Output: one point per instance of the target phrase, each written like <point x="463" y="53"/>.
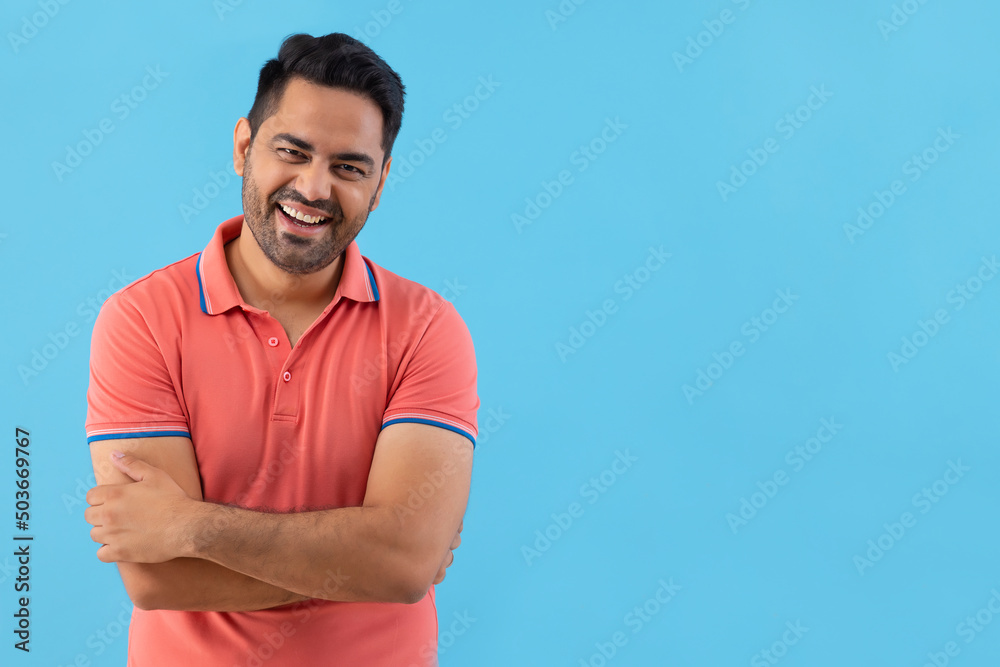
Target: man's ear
<point x="381" y="184"/>
<point x="241" y="145"/>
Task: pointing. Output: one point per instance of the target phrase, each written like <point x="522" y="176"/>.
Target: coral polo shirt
<point x="280" y="429"/>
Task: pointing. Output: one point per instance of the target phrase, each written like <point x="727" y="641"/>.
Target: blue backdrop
<point x="729" y="268"/>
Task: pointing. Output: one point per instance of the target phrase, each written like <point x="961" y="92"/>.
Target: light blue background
<point x="561" y="419"/>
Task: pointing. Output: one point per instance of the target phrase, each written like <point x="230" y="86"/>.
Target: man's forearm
<point x="193" y="584"/>
<point x="347" y="554"/>
<point x="389" y="549"/>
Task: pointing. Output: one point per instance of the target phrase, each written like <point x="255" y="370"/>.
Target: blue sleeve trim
<point x="141" y="434"/>
<point x="417" y="420"/>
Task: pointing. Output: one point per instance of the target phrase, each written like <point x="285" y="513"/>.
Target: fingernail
<point x="117" y="454"/>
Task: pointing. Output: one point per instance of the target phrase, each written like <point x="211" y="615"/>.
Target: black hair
<point x="336" y="60"/>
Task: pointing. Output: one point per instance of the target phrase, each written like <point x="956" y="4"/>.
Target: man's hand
<point x="142" y="521"/>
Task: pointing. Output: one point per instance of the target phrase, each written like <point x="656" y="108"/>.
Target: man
<point x="281" y="430"/>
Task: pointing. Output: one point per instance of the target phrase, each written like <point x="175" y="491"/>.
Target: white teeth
<point x="299" y="215"/>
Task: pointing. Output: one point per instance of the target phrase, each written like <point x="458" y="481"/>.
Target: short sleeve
<point x="438" y="380"/>
<point x="131" y="393"/>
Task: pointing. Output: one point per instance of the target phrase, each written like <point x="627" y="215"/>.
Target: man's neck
<point x="263" y="285"/>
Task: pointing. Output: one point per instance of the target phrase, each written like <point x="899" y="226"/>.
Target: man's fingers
<point x="458" y="536"/>
<point x="131" y="466"/>
<point x="105" y="555"/>
<point x="136" y="469"/>
<point x="449" y="559"/>
<point x="90" y="516"/>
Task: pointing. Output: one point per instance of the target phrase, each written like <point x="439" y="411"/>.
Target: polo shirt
<point x="280" y="429"/>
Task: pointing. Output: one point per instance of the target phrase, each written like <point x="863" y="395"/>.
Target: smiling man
<point x="282" y="430"/>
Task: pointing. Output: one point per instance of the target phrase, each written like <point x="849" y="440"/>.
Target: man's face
<point x="318" y="155"/>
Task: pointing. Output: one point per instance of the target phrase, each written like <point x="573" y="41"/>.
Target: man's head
<point x="316" y="145"/>
<point x="338" y="61"/>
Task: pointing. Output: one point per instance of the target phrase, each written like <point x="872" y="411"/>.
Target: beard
<point x="289" y="252"/>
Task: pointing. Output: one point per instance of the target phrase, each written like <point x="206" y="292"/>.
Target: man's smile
<point x="300" y="223"/>
<point x="302" y="218"/>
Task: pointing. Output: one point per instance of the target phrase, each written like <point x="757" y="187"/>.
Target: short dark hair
<point x="336" y="60"/>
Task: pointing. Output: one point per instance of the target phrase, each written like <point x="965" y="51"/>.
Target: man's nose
<point x="315" y="182"/>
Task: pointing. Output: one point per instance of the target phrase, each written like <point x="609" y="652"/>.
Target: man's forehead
<point x="325" y="112"/>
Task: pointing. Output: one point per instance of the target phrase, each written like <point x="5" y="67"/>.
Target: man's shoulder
<point x="402" y="295"/>
<point x="174" y="283"/>
<point x="397" y="288"/>
<point x="414" y="310"/>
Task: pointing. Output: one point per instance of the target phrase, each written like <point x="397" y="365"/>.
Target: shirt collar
<point x="217" y="289"/>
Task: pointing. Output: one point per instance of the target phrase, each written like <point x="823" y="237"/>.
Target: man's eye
<point x="290" y="151"/>
<point x="352" y="168"/>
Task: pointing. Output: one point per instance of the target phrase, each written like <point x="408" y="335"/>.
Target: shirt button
<point x="287" y="376"/>
<point x="272" y="341"/>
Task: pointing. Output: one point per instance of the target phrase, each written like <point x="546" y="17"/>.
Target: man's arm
<point x="130" y="384"/>
<point x="188" y="584"/>
<point x="391" y="549"/>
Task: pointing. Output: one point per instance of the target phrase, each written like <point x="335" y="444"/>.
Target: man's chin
<point x="300" y="267"/>
<point x="295" y="263"/>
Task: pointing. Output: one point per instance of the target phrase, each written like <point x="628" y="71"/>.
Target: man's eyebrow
<point x="364" y="158"/>
<point x="293" y="140"/>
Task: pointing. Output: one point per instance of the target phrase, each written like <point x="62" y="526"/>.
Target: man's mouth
<point x="301" y="219"/>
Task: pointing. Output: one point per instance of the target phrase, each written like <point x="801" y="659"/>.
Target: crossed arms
<point x="176" y="551"/>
